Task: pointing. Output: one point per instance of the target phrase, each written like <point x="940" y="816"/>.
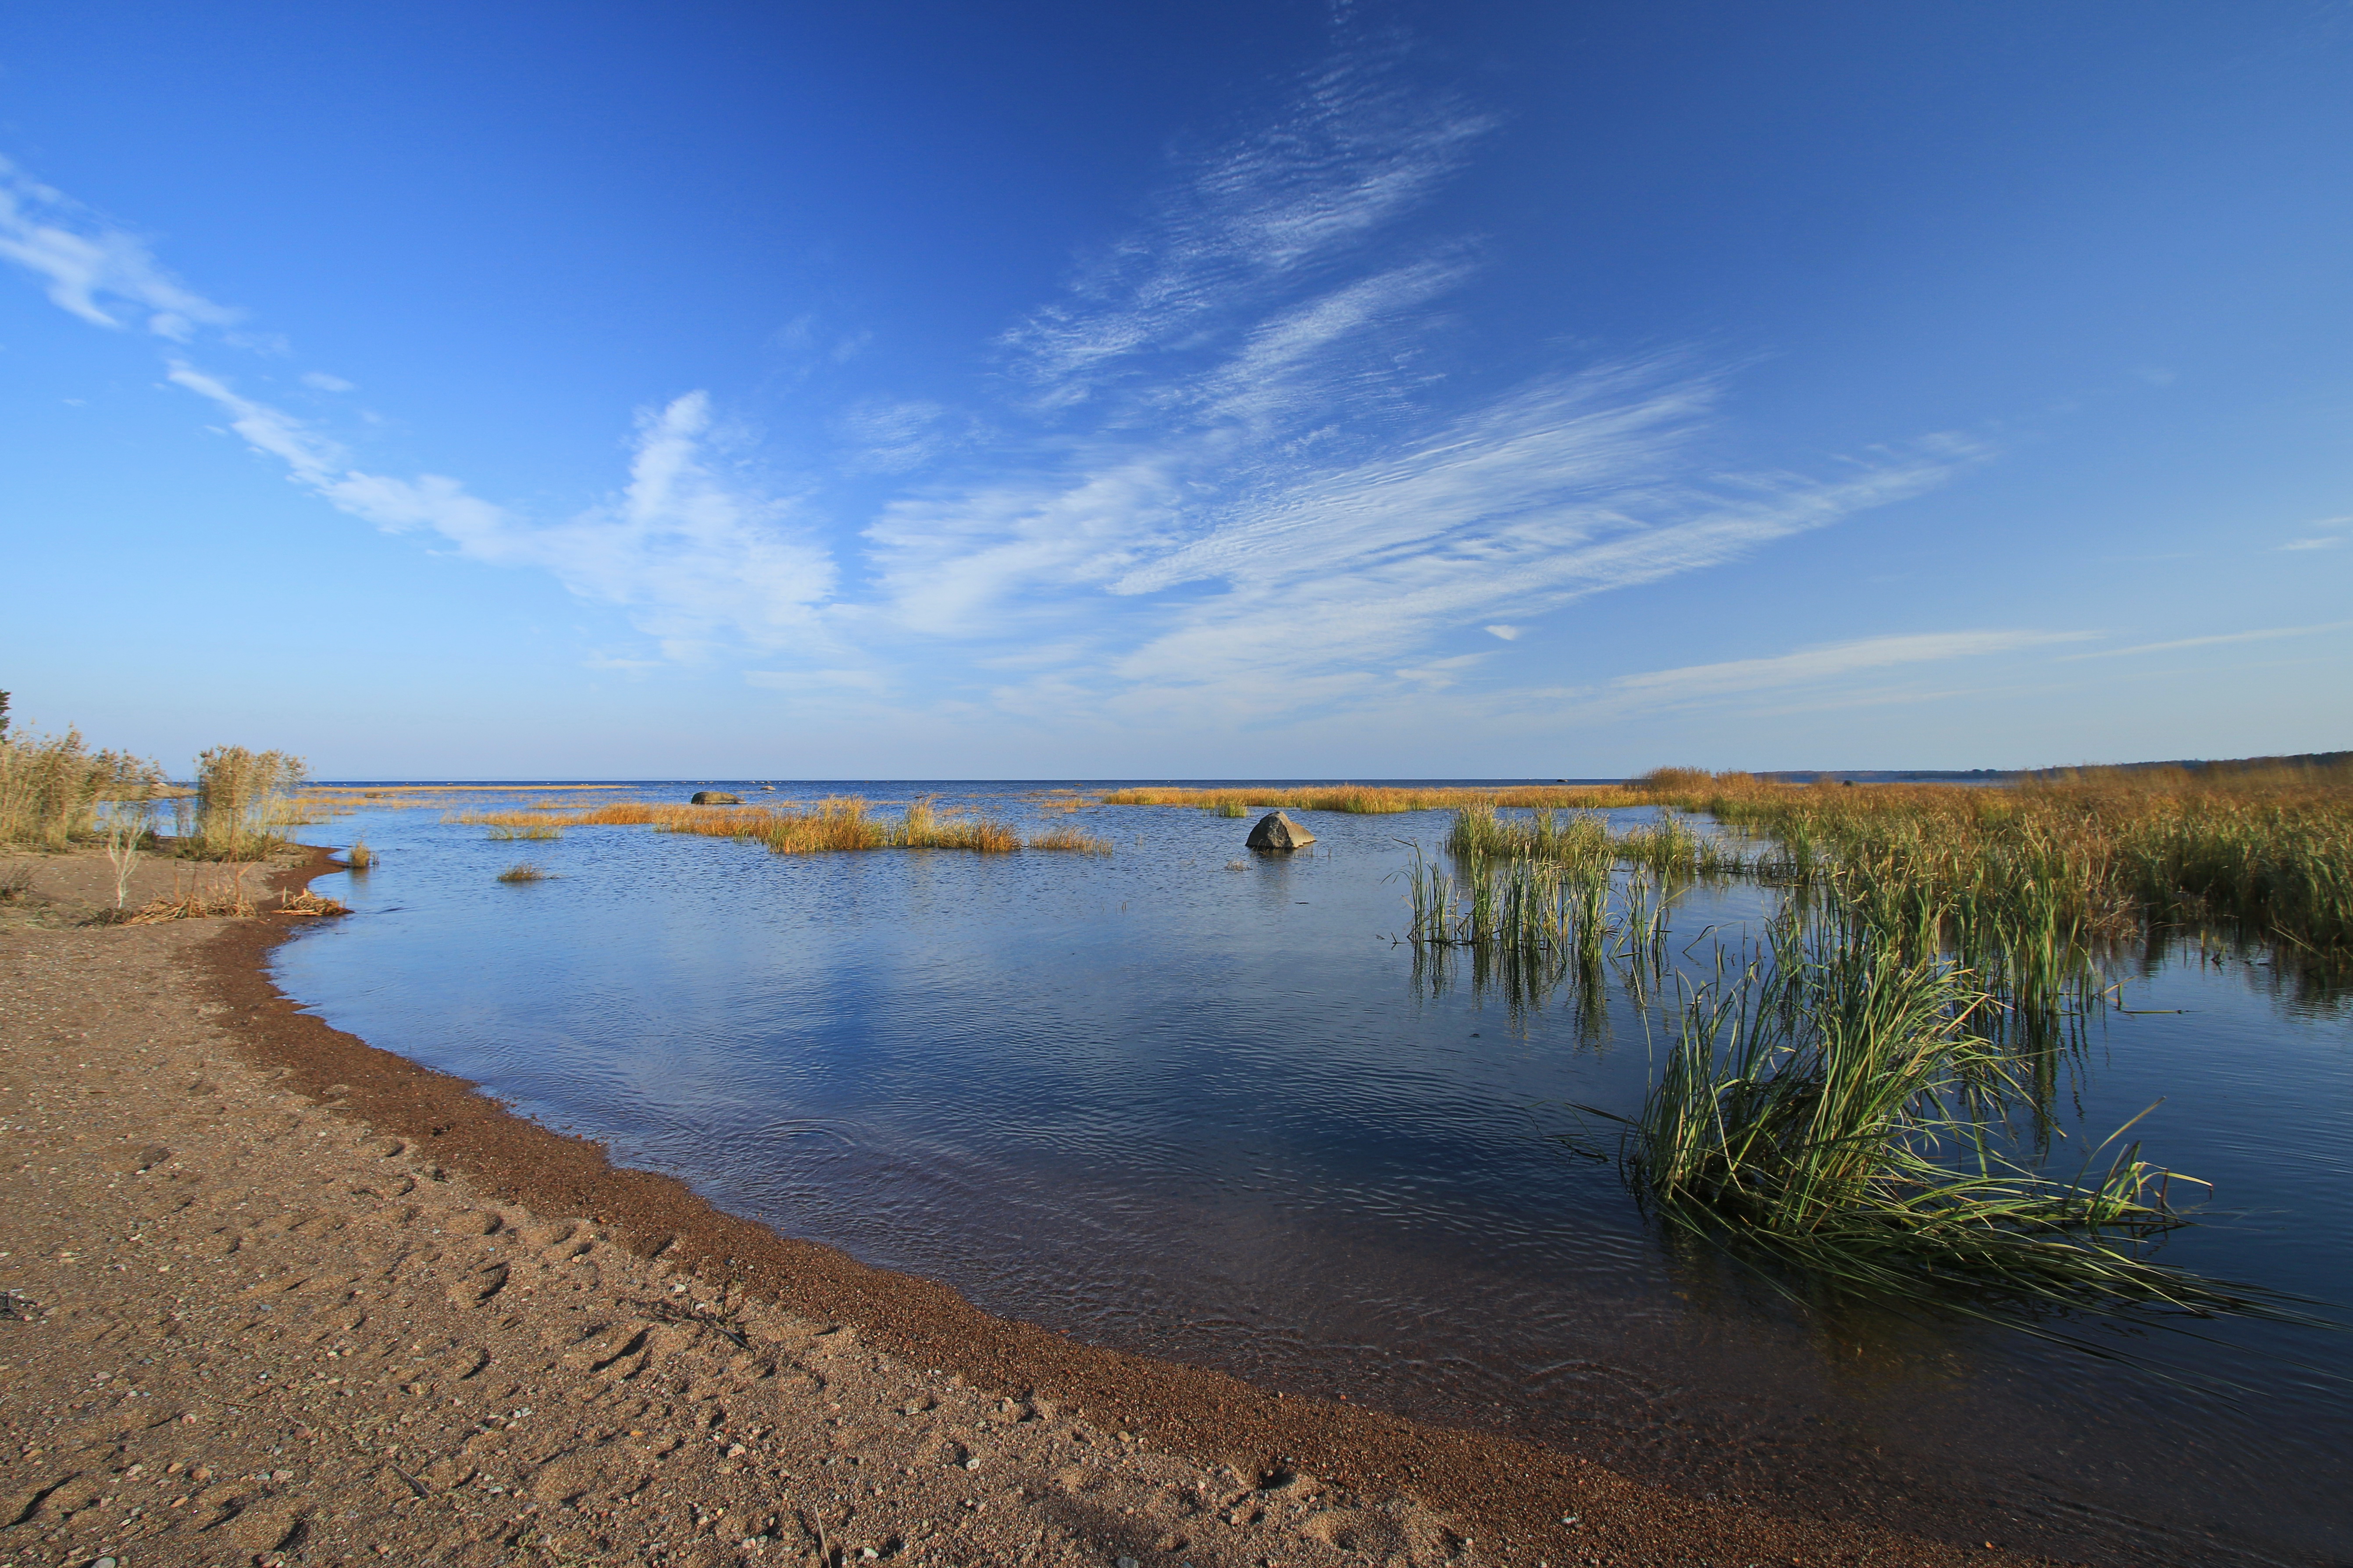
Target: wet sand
<point x="276" y="1296"/>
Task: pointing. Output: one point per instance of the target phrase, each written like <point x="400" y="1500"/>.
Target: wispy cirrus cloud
<point x="1831" y="661"/>
<point x="2329" y="533"/>
<point x="2264" y="634"/>
<point x="1351" y="151"/>
<point x="93" y="268"/>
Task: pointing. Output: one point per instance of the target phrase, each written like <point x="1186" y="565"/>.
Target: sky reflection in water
<point x="1210" y="1113"/>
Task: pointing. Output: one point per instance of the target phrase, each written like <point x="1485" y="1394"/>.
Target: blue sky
<point x="1258" y="389"/>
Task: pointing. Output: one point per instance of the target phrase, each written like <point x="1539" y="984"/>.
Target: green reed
<point x="1838" y="1104"/>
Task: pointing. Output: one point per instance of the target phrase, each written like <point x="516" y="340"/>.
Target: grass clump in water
<point x="522" y="871"/>
<point x="1837" y="1105"/>
<point x="359" y="857"/>
<point x="1063" y="835"/>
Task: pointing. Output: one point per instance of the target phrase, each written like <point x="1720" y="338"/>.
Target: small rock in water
<point x="715" y="797"/>
<point x="1276" y="831"/>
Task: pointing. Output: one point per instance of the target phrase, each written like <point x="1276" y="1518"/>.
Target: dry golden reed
<point x="1063" y="835"/>
<point x="1371" y="800"/>
<point x="52" y="786"/>
<point x="836" y="824"/>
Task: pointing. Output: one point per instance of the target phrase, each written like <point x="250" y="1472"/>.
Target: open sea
<point x="1203" y="1104"/>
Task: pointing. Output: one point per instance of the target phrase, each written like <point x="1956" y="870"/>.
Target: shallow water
<point x="1196" y="1102"/>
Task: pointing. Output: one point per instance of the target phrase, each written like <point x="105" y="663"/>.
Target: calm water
<point x="1196" y="1102"/>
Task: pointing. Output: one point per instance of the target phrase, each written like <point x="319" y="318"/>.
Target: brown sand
<point x="276" y="1296"/>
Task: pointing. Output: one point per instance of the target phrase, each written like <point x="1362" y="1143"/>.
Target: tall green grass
<point x="1837" y="1103"/>
<point x="2071" y="865"/>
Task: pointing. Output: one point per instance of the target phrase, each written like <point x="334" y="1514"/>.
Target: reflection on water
<point x="1225" y="1115"/>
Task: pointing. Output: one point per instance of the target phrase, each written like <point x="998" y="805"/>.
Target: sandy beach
<point x="277" y="1297"/>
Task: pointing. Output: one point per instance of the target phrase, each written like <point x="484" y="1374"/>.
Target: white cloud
<point x="2329" y="535"/>
<point x="1509" y="634"/>
<point x="322" y="382"/>
<point x="891" y="437"/>
<point x="1813" y="665"/>
<point x="815" y="680"/>
<point x="92" y="268"/>
<point x="314" y="459"/>
<point x="1439" y="673"/>
<point x="2266" y="634"/>
<point x="697" y="560"/>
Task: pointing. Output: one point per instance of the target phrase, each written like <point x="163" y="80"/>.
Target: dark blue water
<point x="1197" y="1103"/>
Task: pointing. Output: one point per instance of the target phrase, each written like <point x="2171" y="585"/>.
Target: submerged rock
<point x="1276" y="831"/>
<point x="715" y="797"/>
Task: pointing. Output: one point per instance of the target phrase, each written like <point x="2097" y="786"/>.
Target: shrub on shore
<point x="241" y="795"/>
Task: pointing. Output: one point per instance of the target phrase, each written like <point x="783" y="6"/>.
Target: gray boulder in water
<point x="1276" y="831"/>
<point x="715" y="797"/>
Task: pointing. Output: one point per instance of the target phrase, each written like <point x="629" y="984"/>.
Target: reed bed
<point x="1867" y="1097"/>
<point x="53" y="787"/>
<point x="1375" y="800"/>
<point x="2074" y="863"/>
<point x="502" y="833"/>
